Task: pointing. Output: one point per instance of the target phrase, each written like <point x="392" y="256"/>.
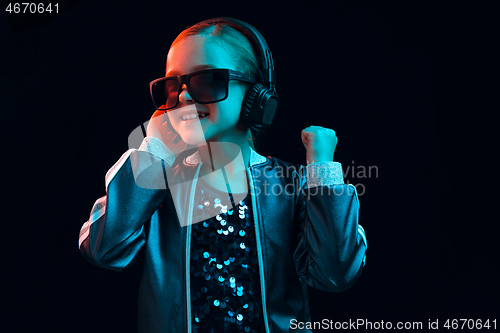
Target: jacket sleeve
<point x="135" y="188"/>
<point x="331" y="246"/>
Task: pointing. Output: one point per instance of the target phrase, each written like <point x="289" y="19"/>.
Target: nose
<point x="185" y="96"/>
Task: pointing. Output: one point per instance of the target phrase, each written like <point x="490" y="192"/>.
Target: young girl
<point x="229" y="239"/>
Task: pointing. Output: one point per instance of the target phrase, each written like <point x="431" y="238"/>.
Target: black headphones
<point x="261" y="100"/>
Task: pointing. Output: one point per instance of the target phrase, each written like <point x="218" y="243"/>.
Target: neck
<point x="233" y="156"/>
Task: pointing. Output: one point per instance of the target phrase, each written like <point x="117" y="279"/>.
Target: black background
<point x="73" y="87"/>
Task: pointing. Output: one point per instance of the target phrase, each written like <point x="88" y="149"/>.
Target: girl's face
<point x="221" y="124"/>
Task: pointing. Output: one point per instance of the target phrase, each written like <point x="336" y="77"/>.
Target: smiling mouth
<point x="193" y="116"/>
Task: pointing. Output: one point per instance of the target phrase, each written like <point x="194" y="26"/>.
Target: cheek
<point x="232" y="105"/>
<point x="174" y="121"/>
<point x="238" y="92"/>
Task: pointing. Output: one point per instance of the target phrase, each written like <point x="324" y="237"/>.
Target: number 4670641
<point x="31" y="7"/>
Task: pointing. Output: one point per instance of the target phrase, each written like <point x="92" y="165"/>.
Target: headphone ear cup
<point x="259" y="107"/>
<point x="248" y="102"/>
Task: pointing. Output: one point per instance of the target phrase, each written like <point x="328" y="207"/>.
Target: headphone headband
<point x="258" y="42"/>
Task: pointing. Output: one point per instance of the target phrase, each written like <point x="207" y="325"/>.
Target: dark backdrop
<point x="75" y="85"/>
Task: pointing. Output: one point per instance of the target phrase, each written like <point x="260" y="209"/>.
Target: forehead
<point x="195" y="53"/>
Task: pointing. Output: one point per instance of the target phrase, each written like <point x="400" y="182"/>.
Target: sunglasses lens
<point x="208" y="87"/>
<point x="165" y="93"/>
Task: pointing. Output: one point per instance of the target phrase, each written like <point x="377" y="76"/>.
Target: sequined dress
<point x="225" y="285"/>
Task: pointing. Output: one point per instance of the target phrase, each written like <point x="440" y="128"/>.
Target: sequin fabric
<point x="225" y="289"/>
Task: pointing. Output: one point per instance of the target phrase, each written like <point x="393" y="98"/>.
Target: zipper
<point x="188" y="247"/>
<point x="259" y="249"/>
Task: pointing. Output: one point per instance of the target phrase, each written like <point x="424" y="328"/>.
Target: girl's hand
<point x="158" y="127"/>
<point x="320" y="143"/>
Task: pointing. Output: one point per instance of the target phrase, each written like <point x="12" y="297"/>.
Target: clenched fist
<point x="320" y="143"/>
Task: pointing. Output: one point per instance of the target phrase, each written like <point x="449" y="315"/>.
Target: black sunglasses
<point x="204" y="87"/>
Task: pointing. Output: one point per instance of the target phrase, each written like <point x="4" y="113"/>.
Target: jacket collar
<point x="255" y="158"/>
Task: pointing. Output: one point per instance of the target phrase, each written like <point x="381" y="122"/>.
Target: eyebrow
<point x="195" y="69"/>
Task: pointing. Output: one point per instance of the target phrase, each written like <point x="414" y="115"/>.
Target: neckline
<point x="219" y="192"/>
<point x="255" y="158"/>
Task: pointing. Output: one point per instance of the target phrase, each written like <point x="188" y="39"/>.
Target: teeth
<point x="192" y="116"/>
<point x="189" y="116"/>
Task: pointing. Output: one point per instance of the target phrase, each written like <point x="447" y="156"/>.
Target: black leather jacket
<point x="308" y="234"/>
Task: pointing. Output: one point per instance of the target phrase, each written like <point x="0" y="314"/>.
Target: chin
<point x="193" y="138"/>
